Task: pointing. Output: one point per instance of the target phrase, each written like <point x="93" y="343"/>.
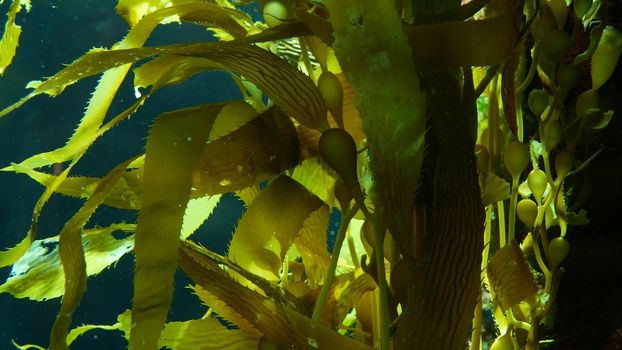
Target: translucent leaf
<point x="125" y="195"/>
<point x="270" y="226"/>
<point x="318" y="178"/>
<point x="227" y="164"/>
<point x="510" y="277"/>
<point x="346" y="259"/>
<point x="197" y="212"/>
<point x="347" y="289"/>
<point x="311" y="244"/>
<point x="174" y="146"/>
<point x="495" y="189"/>
<point x="535" y="151"/>
<point x="10" y="38"/>
<point x="223" y="310"/>
<point x="274" y="320"/>
<point x="205" y="334"/>
<point x="38" y="275"/>
<point x="73" y="258"/>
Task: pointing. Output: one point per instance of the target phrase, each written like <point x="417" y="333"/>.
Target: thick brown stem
<point x="447" y="275"/>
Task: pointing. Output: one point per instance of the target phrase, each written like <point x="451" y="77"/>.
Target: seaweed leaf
<point x="311" y="244"/>
<point x="38" y="275"/>
<point x="174" y="146"/>
<point x="203" y="334"/>
<point x="346" y="290"/>
<point x="270" y="226"/>
<point x="276" y="321"/>
<point x="89" y="128"/>
<point x="226" y="165"/>
<point x="72" y="256"/>
<point x="437" y="45"/>
<point x="318" y="178"/>
<point x="223" y="310"/>
<point x="197" y="212"/>
<point x="10" y="38"/>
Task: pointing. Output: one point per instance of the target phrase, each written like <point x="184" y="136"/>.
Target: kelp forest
<point x="448" y="143"/>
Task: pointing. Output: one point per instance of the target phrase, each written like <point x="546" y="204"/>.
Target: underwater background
<point x="56" y="32"/>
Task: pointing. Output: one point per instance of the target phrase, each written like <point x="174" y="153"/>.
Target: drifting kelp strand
<point x="174" y="146"/>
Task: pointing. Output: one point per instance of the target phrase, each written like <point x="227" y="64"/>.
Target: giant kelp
<point x="382" y="125"/>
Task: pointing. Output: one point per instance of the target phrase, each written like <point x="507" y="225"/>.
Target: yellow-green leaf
<point x="205" y="334"/>
<point x="38" y="274"/>
<point x="276" y="321"/>
<point x="494" y="189"/>
<point x="318" y="178"/>
<point x="174" y="146"/>
<point x="311" y="244"/>
<point x="10" y="38"/>
<point x="223" y="310"/>
<point x="270" y="225"/>
<point x="197" y="211"/>
<point x="72" y="256"/>
<point x="259" y="150"/>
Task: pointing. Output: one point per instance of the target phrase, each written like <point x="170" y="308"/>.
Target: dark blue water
<point x="56" y="33"/>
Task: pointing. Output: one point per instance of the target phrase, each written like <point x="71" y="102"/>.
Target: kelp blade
<point x="438" y="45"/>
<point x="72" y="256"/>
<point x="510" y="277"/>
<point x="227" y="165"/>
<point x="174" y="146"/>
<point x="270" y="226"/>
<point x="38" y="275"/>
<point x="276" y="321"/>
<point x="10" y="38"/>
<point x="88" y="129"/>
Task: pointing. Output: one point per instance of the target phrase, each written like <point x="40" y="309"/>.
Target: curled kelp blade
<point x="174" y="146"/>
<point x="257" y="151"/>
<point x="318" y="178"/>
<point x="72" y="255"/>
<point x="277" y="322"/>
<point x="347" y="290"/>
<point x="285" y="85"/>
<point x="206" y="13"/>
<point x="270" y="225"/>
<point x="311" y="244"/>
<point x="510" y="277"/>
<point x="38" y="275"/>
